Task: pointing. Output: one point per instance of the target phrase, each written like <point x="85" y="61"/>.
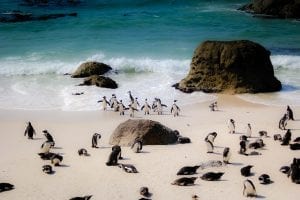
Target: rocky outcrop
<point x="232" y="67"/>
<point x="91" y="68"/>
<point x="275" y="8"/>
<point x="99" y="81"/>
<point x="18" y="16"/>
<point x="150" y="132"/>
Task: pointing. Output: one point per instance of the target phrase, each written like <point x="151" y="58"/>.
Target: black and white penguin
<point x="128" y="168"/>
<point x="6" y="187"/>
<point x="243" y="147"/>
<point x="46" y="146"/>
<point x="137" y="145"/>
<point x="277" y="137"/>
<point x="212" y="176"/>
<point x="297" y="139"/>
<point x="157" y="106"/>
<point x="287" y="138"/>
<point x="46" y="156"/>
<point x="49" y="137"/>
<point x="114" y="156"/>
<point x="210" y="146"/>
<point x="248" y="130"/>
<point x="294" y="172"/>
<point x="295" y="146"/>
<point x="114" y="102"/>
<point x="289" y="113"/>
<point x="83" y="152"/>
<point x="56" y="159"/>
<point x="188" y="170"/>
<point x="183" y="140"/>
<point x="211" y="137"/>
<point x="130" y="97"/>
<point x="264" y="179"/>
<point x="184" y="181"/>
<point x="175" y="109"/>
<point x="144" y="191"/>
<point x="95" y="139"/>
<point x="246" y="171"/>
<point x="283" y="122"/>
<point x="118" y="149"/>
<point x="146" y="108"/>
<point x="263" y="133"/>
<point x="104" y="103"/>
<point x="226" y="155"/>
<point x="249" y="189"/>
<point x="285" y="169"/>
<point x="29" y="131"/>
<point x="259" y="143"/>
<point x="82" y="198"/>
<point x="132" y="109"/>
<point x="231" y="126"/>
<point x="47" y="169"/>
<point x="121" y="108"/>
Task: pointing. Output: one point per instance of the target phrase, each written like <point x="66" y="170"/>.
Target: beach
<point x="157" y="164"/>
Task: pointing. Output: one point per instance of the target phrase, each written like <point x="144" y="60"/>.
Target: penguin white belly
<point x="248" y="132"/>
<point x="227" y="157"/>
<point x="231" y="127"/>
<point x="249" y="189"/>
<point x="46" y="147"/>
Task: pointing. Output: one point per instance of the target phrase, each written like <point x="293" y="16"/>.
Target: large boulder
<point x="231" y="67"/>
<point x="150" y="132"/>
<point x="276" y="8"/>
<point x="91" y="68"/>
<point x="100" y="81"/>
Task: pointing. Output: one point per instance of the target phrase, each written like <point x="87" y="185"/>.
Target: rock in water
<point x="91" y="68"/>
<point x="150" y="132"/>
<point x="275" y="8"/>
<point x="100" y="81"/>
<point x="230" y="66"/>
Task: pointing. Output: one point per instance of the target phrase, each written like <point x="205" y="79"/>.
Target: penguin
<point x="263" y="133"/>
<point x="83" y="152"/>
<point x="82" y="198"/>
<point x="244" y="138"/>
<point x="243" y="147"/>
<point x="211" y="137"/>
<point x="46" y="146"/>
<point x="121" y="108"/>
<point x="144" y="191"/>
<point x="277" y="137"/>
<point x="249" y="189"/>
<point x="157" y="106"/>
<point x="128" y="168"/>
<point x="175" y="109"/>
<point x="231" y="126"/>
<point x="29" y="131"/>
<point x="135" y="103"/>
<point x="184" y="181"/>
<point x="248" y="130"/>
<point x="295" y="146"/>
<point x="130" y="97"/>
<point x="114" y="102"/>
<point x="259" y="143"/>
<point x="6" y="187"/>
<point x="215" y="105"/>
<point x="285" y="169"/>
<point x="226" y="155"/>
<point x="297" y="139"/>
<point x="287" y="138"/>
<point x="95" y="139"/>
<point x="46" y="156"/>
<point x="283" y="122"/>
<point x="210" y="146"/>
<point x="212" y="107"/>
<point x="183" y="140"/>
<point x="49" y="137"/>
<point x="289" y="112"/>
<point x="104" y="103"/>
<point x="113" y="157"/>
<point x="137" y="145"/>
<point x="212" y="176"/>
<point x="264" y="179"/>
<point x="132" y="109"/>
<point x="146" y="108"/>
<point x="294" y="172"/>
<point x="47" y="169"/>
<point x="188" y="170"/>
<point x="118" y="149"/>
<point x="56" y="159"/>
<point x="246" y="171"/>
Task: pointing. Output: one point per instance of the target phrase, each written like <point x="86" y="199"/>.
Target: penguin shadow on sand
<point x="38" y="138"/>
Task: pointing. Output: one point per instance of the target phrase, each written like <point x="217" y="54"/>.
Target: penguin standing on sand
<point x="137" y="145"/>
<point x="243" y="147"/>
<point x="121" y="108"/>
<point x="249" y="189"/>
<point x="130" y="97"/>
<point x="210" y="146"/>
<point x="283" y="122"/>
<point x="289" y="113"/>
<point x="114" y="102"/>
<point x="226" y="155"/>
<point x="45" y="147"/>
<point x="56" y="159"/>
<point x="132" y="109"/>
<point x="49" y="137"/>
<point x="29" y="131"/>
<point x="95" y="139"/>
<point x="231" y="126"/>
<point x="104" y="102"/>
<point x="248" y="131"/>
<point x="175" y="109"/>
<point x="287" y="138"/>
<point x="136" y="104"/>
<point x="146" y="108"/>
<point x="211" y="137"/>
<point x="157" y="106"/>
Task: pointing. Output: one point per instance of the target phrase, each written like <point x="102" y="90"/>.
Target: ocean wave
<point x="285" y="62"/>
<point x="36" y="64"/>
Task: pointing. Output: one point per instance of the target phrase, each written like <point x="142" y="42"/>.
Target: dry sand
<point x="157" y="165"/>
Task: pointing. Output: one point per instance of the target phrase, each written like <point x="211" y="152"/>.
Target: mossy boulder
<point x="100" y="81"/>
<point x="91" y="68"/>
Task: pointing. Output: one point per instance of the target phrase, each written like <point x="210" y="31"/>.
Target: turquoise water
<point x="150" y="42"/>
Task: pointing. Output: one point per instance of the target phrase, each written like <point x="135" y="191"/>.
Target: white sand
<point x="157" y="166"/>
